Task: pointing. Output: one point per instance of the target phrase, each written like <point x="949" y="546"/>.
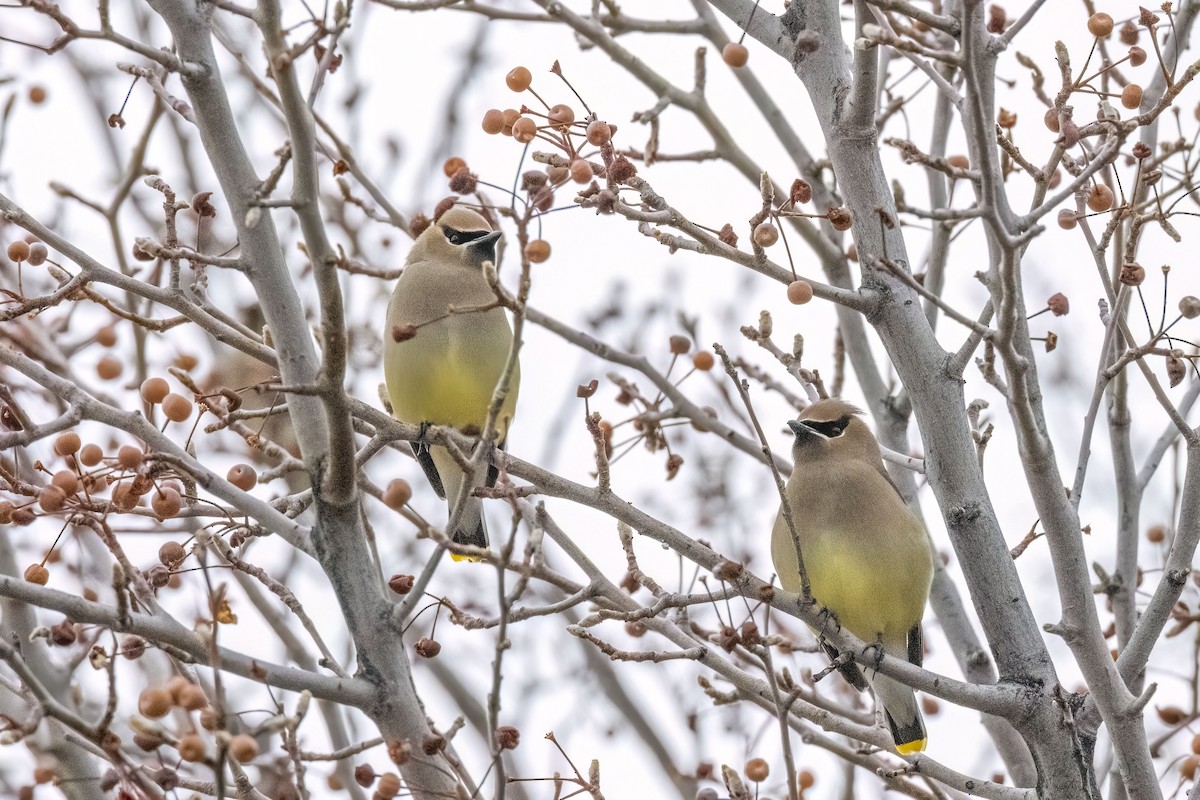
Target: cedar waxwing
<point x="445" y="367"/>
<point x="868" y="559"/>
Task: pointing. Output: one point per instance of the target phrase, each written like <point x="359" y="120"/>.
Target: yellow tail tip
<point x="908" y="748"/>
<point x="456" y="557"/>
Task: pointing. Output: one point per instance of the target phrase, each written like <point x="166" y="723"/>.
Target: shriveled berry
<point x="493" y="121"/>
<point x="154" y="703"/>
<point x="1100" y="25"/>
<point x="428" y="648"/>
<point x="839" y="218"/>
<point x="176" y="407"/>
<point x="401" y="584"/>
<point x="1132" y="274"/>
<point x="171" y="554"/>
<point x="364" y="775"/>
<point x="453" y="165"/>
<point x="537" y="251"/>
<point x="679" y="345"/>
<point x="703" y="361"/>
<point x="518" y="79"/>
<point x="765" y="234"/>
<point x="1058" y="304"/>
<point x="397" y="494"/>
<point x="67" y="444"/>
<point x="1137" y="56"/>
<point x="1100" y="198"/>
<point x="507" y="737"/>
<point x="124" y="498"/>
<point x="1128" y="33"/>
<point x="1051" y="120"/>
<point x="799" y="292"/>
<point x="6" y="512"/>
<point x="243" y="748"/>
<point x="153" y="390"/>
<point x="598" y="133"/>
<point x="242" y="476"/>
<point x="735" y="54"/>
<point x="109" y="368"/>
<point x="36" y="573"/>
<point x="1067" y="219"/>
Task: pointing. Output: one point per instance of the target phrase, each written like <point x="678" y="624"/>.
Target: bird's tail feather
<point x="902" y="713"/>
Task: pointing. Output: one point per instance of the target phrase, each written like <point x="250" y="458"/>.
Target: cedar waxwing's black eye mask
<point x="455" y="236"/>
<point x="830" y="428"/>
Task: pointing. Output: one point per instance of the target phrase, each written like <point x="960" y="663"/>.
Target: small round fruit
<point x="37" y="254"/>
<point x="397" y="494"/>
<point x="765" y="234"/>
<point x="453" y="165"/>
<point x="191" y="747"/>
<point x="561" y="116"/>
<point x="36" y="573"/>
<point x="1131" y="96"/>
<point x="91" y="455"/>
<point x="524" y="130"/>
<point x="518" y="79"/>
<point x="154" y="703"/>
<point x="66" y="480"/>
<point x="67" y="443"/>
<point x="537" y="251"/>
<point x="176" y="407"/>
<point x="243" y="748"/>
<point x="166" y="502"/>
<point x="493" y="121"/>
<point x="1156" y="533"/>
<point x="805" y="779"/>
<point x="799" y="292"/>
<point x="153" y="390"/>
<point x="52" y="499"/>
<point x="109" y="368"/>
<point x="1189" y="307"/>
<point x="389" y="785"/>
<point x="735" y="54"/>
<point x="18" y="251"/>
<point x="130" y="457"/>
<point x="1067" y="219"/>
<point x="598" y="133"/>
<point x="191" y="697"/>
<point x="959" y="161"/>
<point x="242" y="476"/>
<point x="581" y="171"/>
<point x="1100" y="198"/>
<point x="106" y="336"/>
<point x="703" y="361"/>
<point x="37" y="94"/>
<point x="1137" y="56"/>
<point x="757" y="770"/>
<point x="1051" y="120"/>
<point x="1100" y="25"/>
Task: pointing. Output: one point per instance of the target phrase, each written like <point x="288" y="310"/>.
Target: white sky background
<point x="406" y="66"/>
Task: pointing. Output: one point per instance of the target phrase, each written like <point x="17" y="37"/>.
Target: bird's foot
<point x="877" y="646"/>
<point x="829" y="621"/>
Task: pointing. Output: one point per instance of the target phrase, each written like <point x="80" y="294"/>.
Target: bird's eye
<point x="455" y="239"/>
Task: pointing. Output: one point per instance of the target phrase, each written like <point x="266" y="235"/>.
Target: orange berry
<point x="1067" y="219"/>
<point x="1131" y="96"/>
<point x="1100" y="25"/>
<point x="124" y="498"/>
<point x="176" y="407"/>
<point x="598" y="133"/>
<point x="537" y="251"/>
<point x="511" y="115"/>
<point x="106" y="336"/>
<point x="735" y="54"/>
<point x="518" y="79"/>
<point x="191" y="747"/>
<point x="799" y="292"/>
<point x="130" y="457"/>
<point x="1196" y="744"/>
<point x="154" y="703"/>
<point x="1187" y="767"/>
<point x="67" y="443"/>
<point x="243" y="748"/>
<point x="242" y="476"/>
<point x="192" y="698"/>
<point x="37" y="95"/>
<point x="959" y="161"/>
<point x="388" y="786"/>
<point x="1100" y="198"/>
<point x="186" y="362"/>
<point x="561" y="116"/>
<point x="757" y="770"/>
<point x="18" y="251"/>
<point x="166" y="502"/>
<point x="805" y="779"/>
<point x="453" y="165"/>
<point x="493" y="121"/>
<point x="765" y="234"/>
<point x="109" y="368"/>
<point x="581" y="171"/>
<point x="524" y="130"/>
<point x="36" y="573"/>
<point x="1051" y="120"/>
<point x="66" y="480"/>
<point x="397" y="494"/>
<point x="1156" y="533"/>
<point x="703" y="361"/>
<point x="91" y="455"/>
<point x="52" y="499"/>
<point x="153" y="390"/>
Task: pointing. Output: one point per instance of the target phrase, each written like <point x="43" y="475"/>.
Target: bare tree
<point x="195" y="463"/>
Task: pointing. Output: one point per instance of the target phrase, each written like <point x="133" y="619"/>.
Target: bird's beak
<point x="485" y="246"/>
<point x="801" y="430"/>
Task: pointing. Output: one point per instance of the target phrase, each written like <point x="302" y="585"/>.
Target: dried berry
<point x="735" y="54"/>
<point x="561" y="116"/>
<point x="67" y="443"/>
<point x="171" y="554"/>
<point x="427" y="648"/>
<point x="242" y="476"/>
<point x="176" y="407"/>
<point x="1132" y="274"/>
<point x="37" y="254"/>
<point x="581" y="171"/>
<point x="191" y="747"/>
<point x="524" y="130"/>
<point x="1176" y="370"/>
<point x="493" y="121"/>
<point x="1100" y="198"/>
<point x="1189" y="307"/>
<point x="765" y="234"/>
<point x="401" y="584"/>
<point x="243" y="748"/>
<point x="703" y="361"/>
<point x="518" y="79"/>
<point x="451" y="166"/>
<point x="397" y="494"/>
<point x="1051" y="120"/>
<point x="1131" y="96"/>
<point x="799" y="292"/>
<point x="154" y="703"/>
<point x="1128" y="33"/>
<point x="537" y="251"/>
<point x="1100" y="25"/>
<point x="130" y="457"/>
<point x="1058" y="304"/>
<point x="839" y="218"/>
<point x="1067" y="219"/>
<point x="18" y="251"/>
<point x="800" y="192"/>
<point x="679" y="344"/>
<point x="36" y="573"/>
<point x="464" y="182"/>
<point x="166" y="503"/>
<point x="507" y="737"/>
<point x="757" y="769"/>
<point x="598" y="133"/>
<point x="1137" y="56"/>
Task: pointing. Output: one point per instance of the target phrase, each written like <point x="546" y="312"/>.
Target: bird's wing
<point x="424" y="458"/>
<point x="916" y="645"/>
<point x="493" y="473"/>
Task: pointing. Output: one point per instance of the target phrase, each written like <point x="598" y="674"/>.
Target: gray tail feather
<point x="901" y="710"/>
<point x="470" y="529"/>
